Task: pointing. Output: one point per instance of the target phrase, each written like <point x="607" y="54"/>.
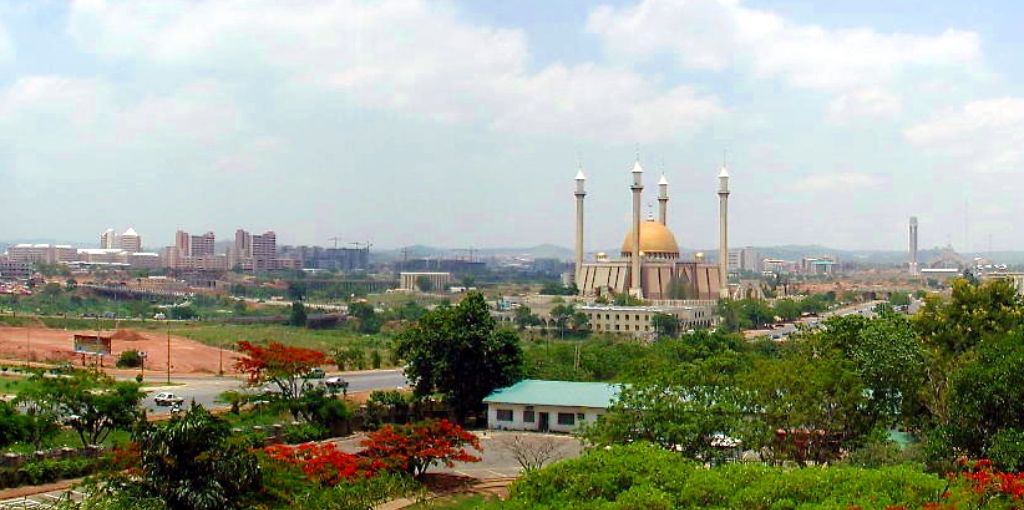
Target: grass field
<point x="222" y="334"/>
<point x="326" y="340"/>
<point x="10" y="385"/>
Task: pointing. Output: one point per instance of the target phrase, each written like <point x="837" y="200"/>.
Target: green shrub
<point x="129" y="359"/>
<point x="1007" y="450"/>
<point x="645" y="477"/>
<point x="304" y="433"/>
<point x="49" y="470"/>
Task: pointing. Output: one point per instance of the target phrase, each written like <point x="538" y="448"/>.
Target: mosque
<point x="649" y="265"/>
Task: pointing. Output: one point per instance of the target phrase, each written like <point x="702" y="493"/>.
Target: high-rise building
<point x="108" y="240"/>
<point x="202" y="246"/>
<point x="259" y="253"/>
<point x="130" y="241"/>
<point x="182" y="243"/>
<point x="744" y="259"/>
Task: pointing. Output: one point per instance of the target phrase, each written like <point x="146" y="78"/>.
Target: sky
<point x="461" y="123"/>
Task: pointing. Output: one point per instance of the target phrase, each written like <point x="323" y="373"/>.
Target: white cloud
<point x="412" y="56"/>
<point x="720" y="34"/>
<point x="864" y="103"/>
<point x="983" y="136"/>
<point x="7" y="47"/>
<point x="837" y="181"/>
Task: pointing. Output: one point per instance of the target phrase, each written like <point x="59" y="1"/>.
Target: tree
<point x="424" y="284"/>
<point x="190" y="463"/>
<point x="984" y="397"/>
<point x="181" y="312"/>
<point x="288" y="368"/>
<point x="531" y="452"/>
<point x="296" y="291"/>
<point x="458" y="351"/>
<point x="415" y="448"/>
<point x="524" y="318"/>
<point x="369" y="320"/>
<point x="890" y="359"/>
<point x="562" y="313"/>
<point x="786" y="309"/>
<point x="756" y="312"/>
<point x="811" y="408"/>
<point x="899" y="299"/>
<point x="16" y="427"/>
<point x="298" y="315"/>
<point x="129" y="359"/>
<point x="683" y="411"/>
<point x="971" y="313"/>
<point x="93" y="405"/>
<point x="665" y="325"/>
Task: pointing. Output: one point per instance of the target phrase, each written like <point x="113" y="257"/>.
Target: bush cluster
<point x="49" y="470"/>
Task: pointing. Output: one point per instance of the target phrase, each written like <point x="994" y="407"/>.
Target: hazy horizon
<point x="458" y="123"/>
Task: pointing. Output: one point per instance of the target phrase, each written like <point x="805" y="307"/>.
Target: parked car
<point x="316" y="373"/>
<point x="166" y="398"/>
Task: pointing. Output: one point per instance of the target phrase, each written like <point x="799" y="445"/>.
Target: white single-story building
<point x="556" y="406"/>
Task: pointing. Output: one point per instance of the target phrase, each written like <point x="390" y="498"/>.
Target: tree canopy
<point x="459" y="352"/>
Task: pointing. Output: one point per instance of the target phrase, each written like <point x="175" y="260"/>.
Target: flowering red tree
<point x="286" y="367"/>
<point x="415" y="448"/>
<point x="324" y="462"/>
<point x="978" y="485"/>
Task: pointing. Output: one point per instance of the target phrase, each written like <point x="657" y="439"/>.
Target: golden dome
<point x="655" y="240"/>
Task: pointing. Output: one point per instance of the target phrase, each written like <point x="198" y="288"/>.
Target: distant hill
<point x="421" y="251"/>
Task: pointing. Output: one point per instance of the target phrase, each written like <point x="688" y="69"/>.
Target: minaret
<point x="580" y="193"/>
<point x="913" y="245"/>
<point x="663" y="200"/>
<point x="723" y="231"/>
<point x="637" y="187"/>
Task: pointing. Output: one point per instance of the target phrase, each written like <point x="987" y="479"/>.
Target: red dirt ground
<point x="187" y="356"/>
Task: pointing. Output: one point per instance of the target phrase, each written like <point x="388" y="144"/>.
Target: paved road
<point x="204" y="390"/>
<point x="780" y="333"/>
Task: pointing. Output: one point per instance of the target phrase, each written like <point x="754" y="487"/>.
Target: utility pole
<point x="168" y="352"/>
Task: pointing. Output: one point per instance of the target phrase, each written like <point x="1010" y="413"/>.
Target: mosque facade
<point x="649" y="264"/>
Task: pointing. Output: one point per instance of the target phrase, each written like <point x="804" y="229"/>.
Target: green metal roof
<point x="556" y="393"/>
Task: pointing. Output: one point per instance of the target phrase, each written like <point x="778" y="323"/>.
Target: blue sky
<point x="459" y="123"/>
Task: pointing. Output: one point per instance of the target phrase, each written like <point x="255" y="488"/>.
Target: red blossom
<point x="277" y="362"/>
<point x="322" y="462"/>
<point x="414" y="448"/>
<point x="409" y="448"/>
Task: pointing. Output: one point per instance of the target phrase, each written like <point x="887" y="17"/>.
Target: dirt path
<point x="55" y="345"/>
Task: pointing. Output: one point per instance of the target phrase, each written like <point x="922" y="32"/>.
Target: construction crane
<point x="335" y="239"/>
<point x="470" y="251"/>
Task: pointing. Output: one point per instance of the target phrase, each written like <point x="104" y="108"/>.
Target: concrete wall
<point x="590" y="415"/>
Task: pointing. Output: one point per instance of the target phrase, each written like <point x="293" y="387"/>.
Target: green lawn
<point x="10" y="385"/>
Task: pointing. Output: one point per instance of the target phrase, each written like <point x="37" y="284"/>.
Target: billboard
<point x="92" y="344"/>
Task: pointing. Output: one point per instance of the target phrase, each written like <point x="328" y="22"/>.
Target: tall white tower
<point x="913" y="246"/>
<point x="663" y="200"/>
<point x="634" y="273"/>
<point x="723" y="231"/>
<point x="580" y="193"/>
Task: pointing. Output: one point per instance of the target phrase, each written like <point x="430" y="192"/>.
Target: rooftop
<point x="556" y="393"/>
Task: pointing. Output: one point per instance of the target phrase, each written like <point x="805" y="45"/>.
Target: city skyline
<point x="838" y="125"/>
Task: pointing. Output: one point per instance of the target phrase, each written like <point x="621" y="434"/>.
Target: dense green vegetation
<point x="642" y="475"/>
